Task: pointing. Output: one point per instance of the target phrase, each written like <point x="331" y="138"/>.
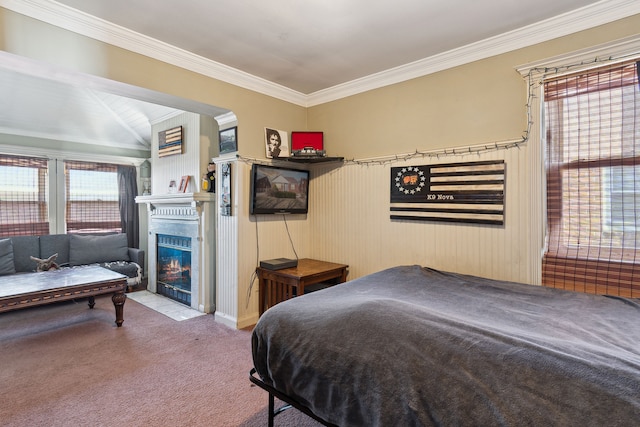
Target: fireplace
<point x="181" y="247"/>
<point x="174" y="267"/>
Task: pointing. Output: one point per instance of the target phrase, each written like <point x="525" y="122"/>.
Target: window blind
<point x="593" y="181"/>
<point x="23" y="196"/>
<point x="92" y="195"/>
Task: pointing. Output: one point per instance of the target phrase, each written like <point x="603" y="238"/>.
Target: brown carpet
<point x="66" y="365"/>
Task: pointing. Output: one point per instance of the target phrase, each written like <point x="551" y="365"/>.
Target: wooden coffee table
<point x="32" y="289"/>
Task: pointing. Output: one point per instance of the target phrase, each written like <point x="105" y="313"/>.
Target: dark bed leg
<point x="288" y="402"/>
<point x="271" y="409"/>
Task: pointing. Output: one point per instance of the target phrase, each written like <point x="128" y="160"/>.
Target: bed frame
<point x="289" y="402"/>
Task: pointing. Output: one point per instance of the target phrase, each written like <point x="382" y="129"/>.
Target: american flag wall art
<point x="469" y="192"/>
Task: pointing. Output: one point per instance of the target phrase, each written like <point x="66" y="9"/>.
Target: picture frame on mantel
<point x="184" y="183"/>
<point x="228" y="140"/>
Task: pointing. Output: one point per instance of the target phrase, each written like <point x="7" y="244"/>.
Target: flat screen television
<point x="279" y="190"/>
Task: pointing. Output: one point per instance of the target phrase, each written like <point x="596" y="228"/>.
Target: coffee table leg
<point x="118" y="302"/>
<point x="92" y="301"/>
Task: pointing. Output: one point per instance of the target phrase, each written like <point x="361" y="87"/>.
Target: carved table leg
<point x="92" y="301"/>
<point x="118" y="299"/>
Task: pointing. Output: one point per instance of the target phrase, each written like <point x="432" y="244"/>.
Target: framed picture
<point x="170" y="142"/>
<point x="184" y="183"/>
<point x="225" y="189"/>
<point x="173" y="188"/>
<point x="229" y="140"/>
<point x="276" y="143"/>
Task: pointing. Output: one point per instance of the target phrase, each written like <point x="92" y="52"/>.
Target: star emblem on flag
<point x="410" y="180"/>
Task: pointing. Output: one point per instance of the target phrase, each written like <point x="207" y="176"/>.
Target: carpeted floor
<point x="66" y="365"/>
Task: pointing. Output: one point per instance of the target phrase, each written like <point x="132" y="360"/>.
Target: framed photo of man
<point x="276" y="143"/>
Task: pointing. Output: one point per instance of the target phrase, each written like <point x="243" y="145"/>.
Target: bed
<point x="414" y="346"/>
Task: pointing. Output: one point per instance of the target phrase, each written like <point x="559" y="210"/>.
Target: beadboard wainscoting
<point x="348" y="222"/>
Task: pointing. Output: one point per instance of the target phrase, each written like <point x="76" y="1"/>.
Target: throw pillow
<point x="25" y="247"/>
<point x="6" y="257"/>
<point x="96" y="249"/>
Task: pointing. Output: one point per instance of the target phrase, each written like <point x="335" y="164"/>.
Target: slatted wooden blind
<point x="23" y="196"/>
<point x="593" y="181"/>
<point x="92" y="196"/>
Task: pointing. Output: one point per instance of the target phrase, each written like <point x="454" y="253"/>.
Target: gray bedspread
<point x="412" y="346"/>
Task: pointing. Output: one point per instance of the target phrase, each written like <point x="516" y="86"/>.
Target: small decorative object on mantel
<point x="471" y="192"/>
<point x="170" y="142"/>
<point x="225" y="188"/>
<point x="204" y="183"/>
<point x="277" y="143"/>
<point x="228" y="140"/>
<point x="184" y="184"/>
<point x="211" y="177"/>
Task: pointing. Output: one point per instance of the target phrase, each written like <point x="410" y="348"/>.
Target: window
<point x="23" y="196"/>
<point x="593" y="181"/>
<point x="49" y="196"/>
<point x="92" y="197"/>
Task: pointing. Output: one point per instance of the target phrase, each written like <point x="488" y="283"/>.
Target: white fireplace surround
<point x="189" y="215"/>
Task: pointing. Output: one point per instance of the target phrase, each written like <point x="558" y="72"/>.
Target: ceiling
<point x="302" y="48"/>
<point x="48" y="109"/>
<point x="312" y="45"/>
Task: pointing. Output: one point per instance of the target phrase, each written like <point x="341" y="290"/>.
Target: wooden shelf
<point x="311" y="159"/>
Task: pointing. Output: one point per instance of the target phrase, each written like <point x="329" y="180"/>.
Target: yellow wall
<point x="478" y="103"/>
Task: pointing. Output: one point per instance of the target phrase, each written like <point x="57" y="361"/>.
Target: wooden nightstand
<point x="279" y="285"/>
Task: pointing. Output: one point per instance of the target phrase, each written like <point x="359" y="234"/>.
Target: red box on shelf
<point x="302" y="140"/>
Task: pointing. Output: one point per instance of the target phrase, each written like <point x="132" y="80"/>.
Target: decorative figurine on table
<point x="211" y="178"/>
<point x="46" y="264"/>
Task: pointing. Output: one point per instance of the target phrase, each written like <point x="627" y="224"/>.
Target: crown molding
<point x="587" y="17"/>
<point x="73" y="20"/>
<point x="226" y="119"/>
<point x="583" y="59"/>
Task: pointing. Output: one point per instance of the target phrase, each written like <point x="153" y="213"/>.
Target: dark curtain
<point x="128" y="187"/>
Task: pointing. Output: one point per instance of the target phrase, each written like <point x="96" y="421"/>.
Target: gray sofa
<point x="107" y="250"/>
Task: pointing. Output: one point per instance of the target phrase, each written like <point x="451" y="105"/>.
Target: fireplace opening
<point x="174" y="267"/>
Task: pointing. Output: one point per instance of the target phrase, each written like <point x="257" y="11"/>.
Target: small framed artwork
<point x="173" y="188"/>
<point x="184" y="183"/>
<point x="170" y="142"/>
<point x="225" y="189"/>
<point x="228" y="140"/>
<point x="276" y="143"/>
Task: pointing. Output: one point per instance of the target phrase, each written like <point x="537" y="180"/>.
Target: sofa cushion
<point x="96" y="249"/>
<point x="6" y="257"/>
<point x="24" y="247"/>
<point x="55" y="244"/>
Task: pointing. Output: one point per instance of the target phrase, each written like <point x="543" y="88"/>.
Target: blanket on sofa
<point x="413" y="346"/>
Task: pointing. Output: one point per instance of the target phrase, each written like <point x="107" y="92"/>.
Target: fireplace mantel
<point x="177" y="198"/>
